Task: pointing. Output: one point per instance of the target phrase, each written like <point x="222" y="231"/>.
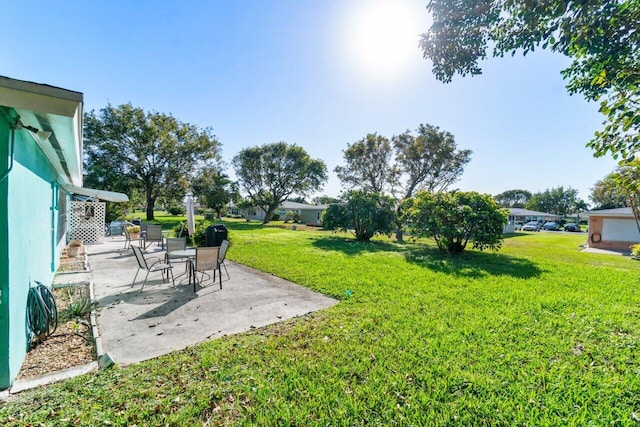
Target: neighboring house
<point x="613" y="229"/>
<point x="41" y="152"/>
<point x="524" y="215"/>
<point x="309" y="214"/>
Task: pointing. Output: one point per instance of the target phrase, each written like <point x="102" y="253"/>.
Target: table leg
<point x="192" y="275"/>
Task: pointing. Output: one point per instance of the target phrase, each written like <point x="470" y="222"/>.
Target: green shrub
<point x="80" y="302"/>
<point x="176" y="210"/>
<point x="635" y="250"/>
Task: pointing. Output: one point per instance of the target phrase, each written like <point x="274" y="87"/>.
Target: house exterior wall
<point x="311" y="217"/>
<point x="32" y="244"/>
<point x="5" y="372"/>
<point x="598" y="237"/>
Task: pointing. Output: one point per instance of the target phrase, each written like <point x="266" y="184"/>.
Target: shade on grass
<point x="538" y="333"/>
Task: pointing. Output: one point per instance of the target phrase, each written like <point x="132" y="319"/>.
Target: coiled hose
<point x="42" y="312"/>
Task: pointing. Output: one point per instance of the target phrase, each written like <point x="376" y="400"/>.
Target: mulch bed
<point x="72" y="343"/>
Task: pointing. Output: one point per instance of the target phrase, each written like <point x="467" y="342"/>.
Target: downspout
<point x="54" y="206"/>
<point x="13" y="136"/>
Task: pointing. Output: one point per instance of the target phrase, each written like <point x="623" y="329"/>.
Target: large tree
<point x="607" y="194"/>
<point x="455" y="219"/>
<point x="513" y="198"/>
<point x="126" y="148"/>
<point x="427" y="159"/>
<point x="271" y="173"/>
<point x="368" y="165"/>
<point x="600" y="36"/>
<point x="214" y="189"/>
<point x="558" y="201"/>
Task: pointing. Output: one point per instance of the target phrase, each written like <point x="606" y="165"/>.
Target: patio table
<point x="191" y="254"/>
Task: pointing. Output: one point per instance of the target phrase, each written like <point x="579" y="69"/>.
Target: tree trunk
<point x="399" y="237"/>
<point x="151" y="203"/>
<point x="269" y="213"/>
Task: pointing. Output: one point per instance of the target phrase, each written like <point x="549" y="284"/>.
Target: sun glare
<point x="384" y="37"/>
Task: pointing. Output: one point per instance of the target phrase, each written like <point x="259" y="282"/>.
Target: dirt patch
<point x="71" y="344"/>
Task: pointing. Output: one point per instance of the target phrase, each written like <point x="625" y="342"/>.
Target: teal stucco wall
<point x="4" y="258"/>
<point x="29" y="202"/>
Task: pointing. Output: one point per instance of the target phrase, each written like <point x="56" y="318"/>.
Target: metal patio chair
<point x="224" y="246"/>
<point x="153" y="234"/>
<point x="206" y="259"/>
<point x="127" y="236"/>
<point x="151" y="265"/>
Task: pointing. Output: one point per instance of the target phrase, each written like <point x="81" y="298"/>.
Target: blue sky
<point x="320" y="74"/>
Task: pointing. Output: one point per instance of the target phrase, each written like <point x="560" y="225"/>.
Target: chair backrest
<point x="138" y="253"/>
<point x="207" y="258"/>
<point x="176" y="244"/>
<point x="223" y="250"/>
<point x="143" y="226"/>
<point x="127" y="236"/>
<point x="154" y="232"/>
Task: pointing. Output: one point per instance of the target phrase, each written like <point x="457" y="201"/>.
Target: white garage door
<point x="620" y="230"/>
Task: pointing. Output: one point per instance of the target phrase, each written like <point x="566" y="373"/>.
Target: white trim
<point x="109" y="196"/>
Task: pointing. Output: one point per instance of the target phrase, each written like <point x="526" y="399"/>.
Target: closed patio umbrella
<point x="190" y="219"/>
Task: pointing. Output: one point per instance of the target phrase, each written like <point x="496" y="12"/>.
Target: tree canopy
<point x="126" y="148"/>
<point x="368" y="165"/>
<point x="607" y="194"/>
<point x="513" y="198"/>
<point x="627" y="180"/>
<point x="427" y="159"/>
<point x="453" y="219"/>
<point x="558" y="201"/>
<point x="600" y="36"/>
<point x="214" y="189"/>
<point x="271" y="173"/>
<point x="363" y="213"/>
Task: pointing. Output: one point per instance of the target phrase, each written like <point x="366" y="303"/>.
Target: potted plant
<point x="73" y="249"/>
<point x="134" y="231"/>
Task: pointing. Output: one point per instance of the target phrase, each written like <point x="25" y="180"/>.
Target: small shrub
<point x="292" y="216"/>
<point x="635" y="250"/>
<point x="176" y="210"/>
<point x="80" y="303"/>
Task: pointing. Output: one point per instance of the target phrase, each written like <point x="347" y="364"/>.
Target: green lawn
<point x="536" y="334"/>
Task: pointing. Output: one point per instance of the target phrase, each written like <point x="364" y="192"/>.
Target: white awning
<point x="109" y="196"/>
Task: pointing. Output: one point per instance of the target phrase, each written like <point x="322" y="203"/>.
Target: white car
<point x="531" y="226"/>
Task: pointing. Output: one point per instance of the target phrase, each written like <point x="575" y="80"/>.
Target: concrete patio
<point x="136" y="326"/>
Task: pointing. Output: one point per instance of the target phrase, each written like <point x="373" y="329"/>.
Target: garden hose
<point x="42" y="313"/>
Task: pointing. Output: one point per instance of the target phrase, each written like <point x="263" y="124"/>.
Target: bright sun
<point x="383" y="39"/>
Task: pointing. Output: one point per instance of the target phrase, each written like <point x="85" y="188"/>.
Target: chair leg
<point x="219" y="275"/>
<point x="145" y="281"/>
<point x="173" y="279"/>
<point x="135" y="277"/>
<point x="226" y="271"/>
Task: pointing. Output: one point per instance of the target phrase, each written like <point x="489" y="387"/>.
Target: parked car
<point x="518" y="225"/>
<point x="572" y="227"/>
<point x="551" y="226"/>
<point x="531" y="226"/>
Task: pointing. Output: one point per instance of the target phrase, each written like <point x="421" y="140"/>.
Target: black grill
<point x="215" y="234"/>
